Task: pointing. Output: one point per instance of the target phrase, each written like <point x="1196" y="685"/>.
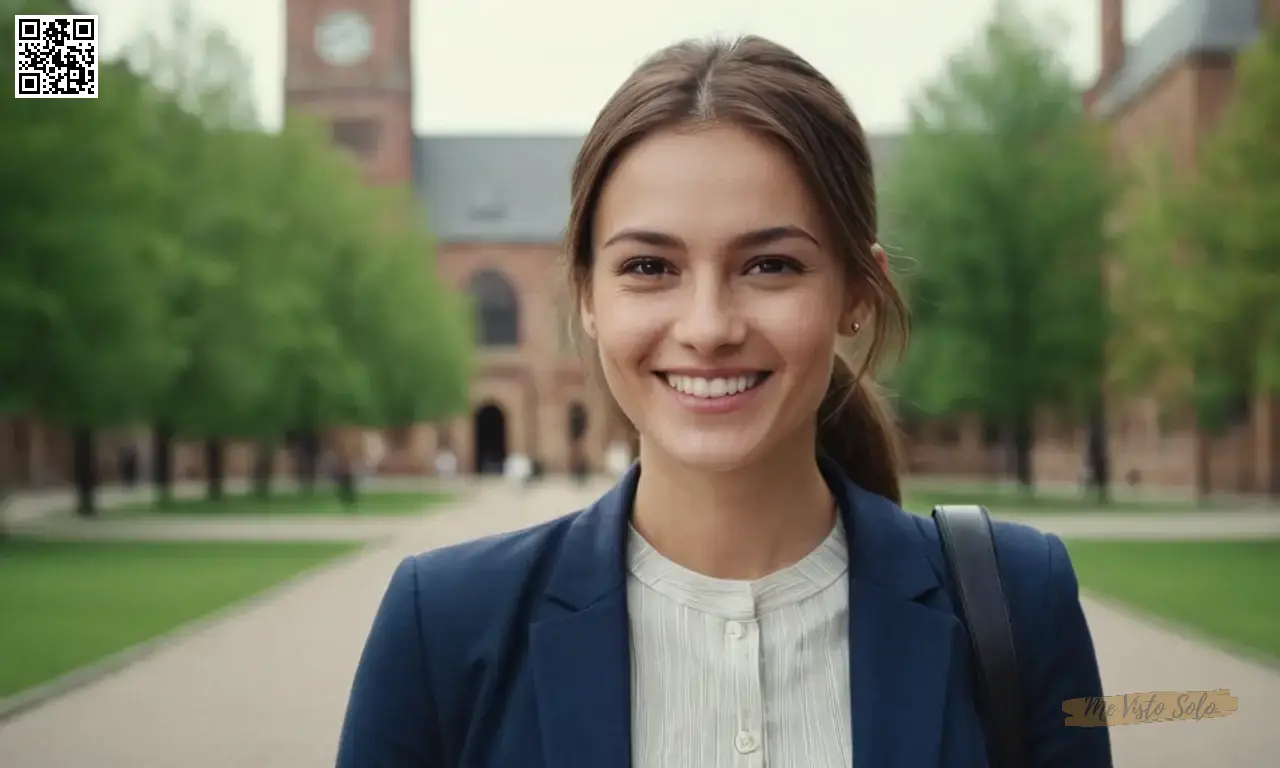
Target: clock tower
<point x="350" y="63"/>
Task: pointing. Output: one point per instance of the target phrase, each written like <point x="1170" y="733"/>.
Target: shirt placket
<point x="743" y="648"/>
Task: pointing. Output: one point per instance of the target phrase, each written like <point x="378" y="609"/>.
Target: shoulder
<point x="461" y="585"/>
<point x="1035" y="568"/>
<point x="1056" y="652"/>
<point x="1042" y="589"/>
<point x="449" y="601"/>
<point x="441" y="611"/>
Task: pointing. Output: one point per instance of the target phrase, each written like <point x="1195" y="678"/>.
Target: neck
<point x="742" y="524"/>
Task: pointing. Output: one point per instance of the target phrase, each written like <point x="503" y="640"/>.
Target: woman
<point x="750" y="593"/>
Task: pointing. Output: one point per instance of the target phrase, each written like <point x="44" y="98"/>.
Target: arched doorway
<point x="577" y="422"/>
<point x="490" y="439"/>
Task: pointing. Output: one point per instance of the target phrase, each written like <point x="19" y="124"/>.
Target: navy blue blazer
<point x="513" y="650"/>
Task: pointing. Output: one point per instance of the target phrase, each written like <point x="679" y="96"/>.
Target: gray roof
<point x="1188" y="28"/>
<point x="507" y="189"/>
<point x="511" y="188"/>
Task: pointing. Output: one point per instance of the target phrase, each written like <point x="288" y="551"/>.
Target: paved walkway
<point x="266" y="686"/>
<point x="1218" y="524"/>
<point x="56" y="504"/>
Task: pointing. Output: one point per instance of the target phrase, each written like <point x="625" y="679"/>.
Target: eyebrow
<point x="756" y="238"/>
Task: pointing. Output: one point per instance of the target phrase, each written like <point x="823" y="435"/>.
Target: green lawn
<point x="322" y="502"/>
<point x="68" y="604"/>
<point x="922" y="499"/>
<point x="1224" y="589"/>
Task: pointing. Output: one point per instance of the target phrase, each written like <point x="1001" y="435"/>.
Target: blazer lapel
<point x="900" y="650"/>
<point x="580" y="641"/>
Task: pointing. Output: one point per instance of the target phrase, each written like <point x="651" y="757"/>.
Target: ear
<point x="882" y="258"/>
<point x="852" y="321"/>
<point x="856" y="310"/>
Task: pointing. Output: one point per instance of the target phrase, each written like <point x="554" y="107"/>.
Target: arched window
<point x="497" y="310"/>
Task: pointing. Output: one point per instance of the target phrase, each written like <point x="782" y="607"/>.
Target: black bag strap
<point x="969" y="548"/>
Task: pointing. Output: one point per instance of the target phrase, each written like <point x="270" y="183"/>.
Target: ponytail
<point x="857" y="430"/>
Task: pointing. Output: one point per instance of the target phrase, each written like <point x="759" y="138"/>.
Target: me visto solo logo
<point x="1154" y="707"/>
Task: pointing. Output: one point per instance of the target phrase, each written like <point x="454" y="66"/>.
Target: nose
<point x="709" y="319"/>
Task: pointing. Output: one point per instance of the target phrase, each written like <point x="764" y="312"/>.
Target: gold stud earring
<point x="855" y="327"/>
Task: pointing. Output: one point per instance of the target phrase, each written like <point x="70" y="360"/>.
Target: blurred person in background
<point x="517" y="468"/>
<point x="617" y="458"/>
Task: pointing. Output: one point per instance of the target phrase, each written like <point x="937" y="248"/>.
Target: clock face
<point x="344" y="38"/>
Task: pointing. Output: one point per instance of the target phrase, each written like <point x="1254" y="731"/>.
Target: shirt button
<point x="733" y="629"/>
<point x="746" y="741"/>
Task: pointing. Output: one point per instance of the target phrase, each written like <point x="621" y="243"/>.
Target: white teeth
<point x="709" y="388"/>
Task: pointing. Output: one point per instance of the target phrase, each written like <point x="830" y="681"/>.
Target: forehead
<point x="709" y="181"/>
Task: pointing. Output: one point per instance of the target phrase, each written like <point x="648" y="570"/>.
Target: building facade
<point x="497" y="205"/>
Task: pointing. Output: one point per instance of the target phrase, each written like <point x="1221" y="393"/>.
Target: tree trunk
<point x="4" y="500"/>
<point x="264" y="455"/>
<point x="1204" y="467"/>
<point x="1269" y="415"/>
<point x="214" y="469"/>
<point x="162" y="463"/>
<point x="346" y="485"/>
<point x="308" y="459"/>
<point x="1244" y="472"/>
<point x="1023" y="443"/>
<point x="85" y="471"/>
<point x="1099" y="457"/>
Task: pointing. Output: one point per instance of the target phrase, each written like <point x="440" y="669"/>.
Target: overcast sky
<point x="548" y="65"/>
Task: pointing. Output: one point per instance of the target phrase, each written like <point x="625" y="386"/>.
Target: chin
<point x="707" y="451"/>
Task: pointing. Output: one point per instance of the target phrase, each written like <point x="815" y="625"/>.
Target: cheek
<point x="626" y="331"/>
<point x="802" y="328"/>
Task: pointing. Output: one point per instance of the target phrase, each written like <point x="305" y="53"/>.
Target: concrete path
<point x="266" y="686"/>
<point x="1141" y="656"/>
<point x="1224" y="524"/>
<point x="56" y="504"/>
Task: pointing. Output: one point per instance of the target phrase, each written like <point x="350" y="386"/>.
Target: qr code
<point x="56" y="57"/>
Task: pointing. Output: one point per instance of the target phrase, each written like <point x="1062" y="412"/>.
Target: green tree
<point x="1000" y="195"/>
<point x="219" y="295"/>
<point x="321" y="381"/>
<point x="419" y="348"/>
<point x="392" y="344"/>
<point x="81" y="345"/>
<point x="1200" y="264"/>
<point x="234" y="317"/>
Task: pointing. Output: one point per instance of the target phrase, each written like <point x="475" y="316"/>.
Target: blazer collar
<point x="886" y="547"/>
<point x="901" y="649"/>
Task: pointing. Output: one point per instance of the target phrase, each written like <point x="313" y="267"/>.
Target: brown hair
<point x="764" y="87"/>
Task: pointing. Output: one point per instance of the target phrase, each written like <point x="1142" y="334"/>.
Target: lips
<point x="712" y="387"/>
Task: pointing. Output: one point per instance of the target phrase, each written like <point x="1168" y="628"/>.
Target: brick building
<point x="1166" y="89"/>
<point x="497" y="205"/>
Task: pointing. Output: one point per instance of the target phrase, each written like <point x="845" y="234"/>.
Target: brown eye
<point x="644" y="266"/>
<point x="774" y="265"/>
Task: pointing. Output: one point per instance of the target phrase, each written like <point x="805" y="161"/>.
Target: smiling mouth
<point x="709" y="389"/>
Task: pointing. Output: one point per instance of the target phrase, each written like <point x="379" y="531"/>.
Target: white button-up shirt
<point x="731" y="674"/>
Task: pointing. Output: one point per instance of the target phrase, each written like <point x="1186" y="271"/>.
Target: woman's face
<point x="715" y="299"/>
